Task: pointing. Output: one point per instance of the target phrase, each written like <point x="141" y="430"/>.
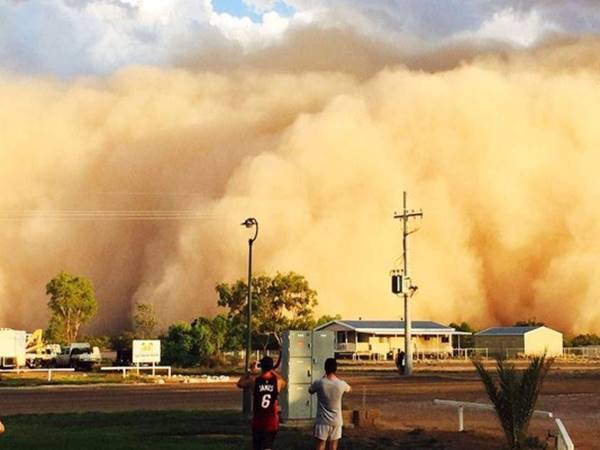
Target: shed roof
<point x="507" y="331"/>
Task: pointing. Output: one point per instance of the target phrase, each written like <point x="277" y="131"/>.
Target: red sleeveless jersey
<point x="265" y="405"/>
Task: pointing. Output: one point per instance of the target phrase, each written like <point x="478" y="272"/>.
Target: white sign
<point x="146" y="351"/>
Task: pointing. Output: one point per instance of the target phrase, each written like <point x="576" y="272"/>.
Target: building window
<point x="445" y="339"/>
<point x="426" y="338"/>
<point x="341" y="337"/>
<point x="363" y="337"/>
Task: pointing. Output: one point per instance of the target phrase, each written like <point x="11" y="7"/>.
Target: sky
<point x="70" y="38"/>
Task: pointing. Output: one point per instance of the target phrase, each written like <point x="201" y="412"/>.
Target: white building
<point x="380" y="338"/>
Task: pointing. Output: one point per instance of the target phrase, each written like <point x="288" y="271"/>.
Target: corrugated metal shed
<point x="506" y="331"/>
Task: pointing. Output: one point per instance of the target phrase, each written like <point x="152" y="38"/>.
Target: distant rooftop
<point x="392" y="326"/>
<point x="506" y="331"/>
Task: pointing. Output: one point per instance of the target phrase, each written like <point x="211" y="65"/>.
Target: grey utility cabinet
<point x="302" y="360"/>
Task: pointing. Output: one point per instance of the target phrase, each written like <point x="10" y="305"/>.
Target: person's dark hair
<point x="330" y="365"/>
<point x="266" y="363"/>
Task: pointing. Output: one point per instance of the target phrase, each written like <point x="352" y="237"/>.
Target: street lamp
<point x="247" y="395"/>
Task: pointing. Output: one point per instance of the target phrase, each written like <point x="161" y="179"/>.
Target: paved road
<point x="369" y="390"/>
<point x="60" y="399"/>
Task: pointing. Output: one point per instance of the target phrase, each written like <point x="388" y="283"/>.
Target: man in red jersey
<point x="265" y="389"/>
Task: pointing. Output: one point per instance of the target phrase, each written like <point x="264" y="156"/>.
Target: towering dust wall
<point x="502" y="153"/>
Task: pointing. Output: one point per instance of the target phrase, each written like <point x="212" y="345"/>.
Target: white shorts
<point x="328" y="432"/>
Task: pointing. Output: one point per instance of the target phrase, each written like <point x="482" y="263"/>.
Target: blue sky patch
<point x="238" y="8"/>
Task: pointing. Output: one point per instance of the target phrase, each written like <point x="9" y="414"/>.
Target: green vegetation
<point x="582" y="340"/>
<point x="465" y="341"/>
<point x="39" y="379"/>
<point x="514" y="396"/>
<point x="282" y="302"/>
<point x="72" y="303"/>
<point x="198" y="343"/>
<point x="198" y="430"/>
<point x="164" y="430"/>
<point x="529" y="323"/>
<point x="144" y="321"/>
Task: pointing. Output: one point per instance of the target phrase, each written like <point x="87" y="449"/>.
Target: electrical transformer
<point x="302" y="361"/>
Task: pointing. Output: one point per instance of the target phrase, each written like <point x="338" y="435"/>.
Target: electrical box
<point x="297" y="343"/>
<point x="299" y="402"/>
<point x="323" y="343"/>
<point x="303" y="356"/>
<point x="400" y="283"/>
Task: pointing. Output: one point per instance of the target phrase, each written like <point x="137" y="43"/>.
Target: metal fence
<point x="591" y="352"/>
<point x="472" y="352"/>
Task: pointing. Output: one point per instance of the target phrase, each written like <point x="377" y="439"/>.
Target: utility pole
<point x="405" y="217"/>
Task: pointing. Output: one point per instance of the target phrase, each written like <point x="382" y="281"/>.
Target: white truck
<point x="12" y="348"/>
<point x="79" y="355"/>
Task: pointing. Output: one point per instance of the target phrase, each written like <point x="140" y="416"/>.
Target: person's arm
<point x="1" y="428"/>
<point x="312" y="388"/>
<point x="281" y="383"/>
<point x="347" y="387"/>
<point x="246" y="381"/>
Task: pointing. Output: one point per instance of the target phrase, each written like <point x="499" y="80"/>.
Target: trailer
<point x="12" y="347"/>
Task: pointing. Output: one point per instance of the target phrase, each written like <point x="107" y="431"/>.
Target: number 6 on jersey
<point x="266" y="401"/>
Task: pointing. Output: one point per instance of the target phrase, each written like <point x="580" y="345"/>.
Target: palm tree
<point x="514" y="395"/>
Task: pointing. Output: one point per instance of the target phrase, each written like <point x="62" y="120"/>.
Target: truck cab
<point x="80" y="356"/>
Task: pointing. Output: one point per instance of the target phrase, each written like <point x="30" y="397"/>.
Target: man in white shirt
<point x="329" y="421"/>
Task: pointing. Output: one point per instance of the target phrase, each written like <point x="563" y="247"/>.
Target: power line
<point x="82" y="215"/>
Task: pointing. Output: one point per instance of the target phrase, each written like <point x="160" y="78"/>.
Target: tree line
<point x="279" y="302"/>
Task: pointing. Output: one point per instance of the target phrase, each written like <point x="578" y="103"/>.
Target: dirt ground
<point x="406" y="404"/>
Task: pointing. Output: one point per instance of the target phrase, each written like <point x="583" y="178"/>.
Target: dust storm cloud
<point x="501" y="152"/>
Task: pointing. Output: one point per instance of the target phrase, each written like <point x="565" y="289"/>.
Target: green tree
<point x="72" y="303"/>
<point x="221" y="331"/>
<point x="55" y="332"/>
<point x="325" y="319"/>
<point x="583" y="340"/>
<point x="465" y="341"/>
<point x="514" y="395"/>
<point x="285" y="301"/>
<point x="144" y="321"/>
<point x="189" y="345"/>
<point x="529" y="323"/>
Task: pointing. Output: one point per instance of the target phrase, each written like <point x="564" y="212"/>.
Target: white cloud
<point x="70" y="37"/>
<point x="98" y="36"/>
<point x="248" y="33"/>
<point x="523" y="29"/>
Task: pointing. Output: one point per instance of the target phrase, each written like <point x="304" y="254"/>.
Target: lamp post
<point x="247" y="395"/>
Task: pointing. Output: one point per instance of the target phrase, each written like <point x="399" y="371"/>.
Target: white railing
<point x="345" y="347"/>
<point x="582" y="352"/>
<point x="563" y="440"/>
<point x="466" y="353"/>
<point x="50" y="370"/>
<point x="124" y="369"/>
<point x="460" y="406"/>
